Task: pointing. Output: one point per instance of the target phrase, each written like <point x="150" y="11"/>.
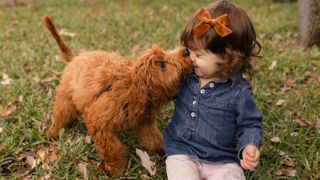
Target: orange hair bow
<point x="219" y="24"/>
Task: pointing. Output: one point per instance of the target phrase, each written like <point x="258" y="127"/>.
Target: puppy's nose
<point x="186" y="52"/>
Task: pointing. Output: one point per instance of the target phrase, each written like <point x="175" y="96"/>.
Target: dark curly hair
<point x="238" y="48"/>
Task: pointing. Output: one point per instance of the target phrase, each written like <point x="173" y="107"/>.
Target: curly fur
<point x="115" y="94"/>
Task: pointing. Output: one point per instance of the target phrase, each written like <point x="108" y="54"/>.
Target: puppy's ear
<point x="155" y="48"/>
<point x="154" y="51"/>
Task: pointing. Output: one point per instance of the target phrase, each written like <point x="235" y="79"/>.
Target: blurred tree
<point x="309" y="28"/>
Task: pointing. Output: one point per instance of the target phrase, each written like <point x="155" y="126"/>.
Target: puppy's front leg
<point x="113" y="152"/>
<point x="149" y="135"/>
<point x="102" y="127"/>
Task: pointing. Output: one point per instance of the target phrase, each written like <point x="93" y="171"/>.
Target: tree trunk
<point x="309" y="30"/>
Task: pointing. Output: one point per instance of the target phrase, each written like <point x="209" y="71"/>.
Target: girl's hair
<point x="237" y="48"/>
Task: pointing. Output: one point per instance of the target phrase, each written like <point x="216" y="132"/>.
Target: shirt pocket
<point x="219" y="114"/>
<point x="220" y="108"/>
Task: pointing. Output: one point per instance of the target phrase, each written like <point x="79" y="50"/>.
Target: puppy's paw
<point x="53" y="133"/>
<point x="115" y="169"/>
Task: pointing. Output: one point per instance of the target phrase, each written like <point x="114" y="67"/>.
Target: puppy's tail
<point x="66" y="52"/>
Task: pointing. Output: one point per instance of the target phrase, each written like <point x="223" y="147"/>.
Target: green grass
<point x="28" y="57"/>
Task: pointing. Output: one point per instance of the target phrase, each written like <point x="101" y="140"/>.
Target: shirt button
<point x="211" y="85"/>
<point x="202" y="91"/>
<point x="194" y="102"/>
<point x="193" y="114"/>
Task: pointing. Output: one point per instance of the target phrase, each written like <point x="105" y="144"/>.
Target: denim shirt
<point x="214" y="124"/>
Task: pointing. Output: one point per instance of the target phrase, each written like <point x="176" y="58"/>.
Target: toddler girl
<point x="216" y="125"/>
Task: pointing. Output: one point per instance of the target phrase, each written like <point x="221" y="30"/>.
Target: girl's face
<point x="206" y="64"/>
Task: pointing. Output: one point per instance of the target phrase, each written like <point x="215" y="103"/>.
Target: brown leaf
<point x="87" y="139"/>
<point x="135" y="48"/>
<point x="287" y="85"/>
<point x="103" y="31"/>
<point x="12" y="28"/>
<point x="302" y="122"/>
<point x="47" y="177"/>
<point x="281" y="153"/>
<point x="280" y="102"/>
<point x="83" y="169"/>
<point x="276" y="139"/>
<point x="66" y="34"/>
<point x="273" y="65"/>
<point x="49" y="79"/>
<point x="42" y="154"/>
<point x="6" y="111"/>
<point x="28" y="159"/>
<point x="292" y="172"/>
<point x="279" y="172"/>
<point x="288" y="162"/>
<point x="146" y="162"/>
<point x="5" y="79"/>
<point x="318" y="126"/>
<point x="53" y="151"/>
<point x="27" y="178"/>
<point x="144" y="177"/>
<point x="290" y="83"/>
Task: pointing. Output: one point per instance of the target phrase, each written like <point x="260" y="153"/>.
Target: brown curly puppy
<point x="117" y="94"/>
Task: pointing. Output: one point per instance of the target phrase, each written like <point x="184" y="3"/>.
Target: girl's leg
<point x="230" y="171"/>
<point x="181" y="167"/>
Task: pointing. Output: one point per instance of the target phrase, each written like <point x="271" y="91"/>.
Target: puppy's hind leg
<point x="64" y="112"/>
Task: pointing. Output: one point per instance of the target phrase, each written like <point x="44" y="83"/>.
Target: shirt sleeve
<point x="249" y="121"/>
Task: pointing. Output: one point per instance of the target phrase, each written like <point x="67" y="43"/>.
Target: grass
<point x="29" y="58"/>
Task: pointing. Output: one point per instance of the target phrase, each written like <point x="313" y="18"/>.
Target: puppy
<point x="116" y="94"/>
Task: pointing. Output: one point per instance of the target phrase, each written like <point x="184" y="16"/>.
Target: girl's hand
<point x="250" y="158"/>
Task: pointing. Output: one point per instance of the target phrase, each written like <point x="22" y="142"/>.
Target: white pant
<point x="181" y="167"/>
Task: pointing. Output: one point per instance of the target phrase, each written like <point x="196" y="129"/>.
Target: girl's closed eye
<point x="199" y="53"/>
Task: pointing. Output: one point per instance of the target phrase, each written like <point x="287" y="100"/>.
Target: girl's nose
<point x="192" y="57"/>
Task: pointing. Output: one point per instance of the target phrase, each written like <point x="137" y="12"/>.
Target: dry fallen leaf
<point x="87" y="139"/>
<point x="20" y="99"/>
<point x="302" y="122"/>
<point x="5" y="79"/>
<point x="288" y="162"/>
<point x="318" y="126"/>
<point x="42" y="154"/>
<point x="279" y="172"/>
<point x="276" y="139"/>
<point x="6" y="111"/>
<point x="83" y="169"/>
<point x="135" y="48"/>
<point x="28" y="159"/>
<point x="280" y="102"/>
<point x="273" y="65"/>
<point x="67" y="34"/>
<point x="281" y="153"/>
<point x="144" y="177"/>
<point x="47" y="177"/>
<point x="53" y="151"/>
<point x="292" y="172"/>
<point x="146" y="162"/>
